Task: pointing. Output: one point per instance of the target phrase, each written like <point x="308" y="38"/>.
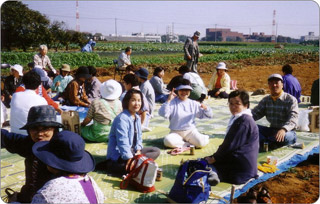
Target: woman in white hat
<point x="219" y="85"/>
<point x="11" y="83"/>
<point x="102" y="111"/>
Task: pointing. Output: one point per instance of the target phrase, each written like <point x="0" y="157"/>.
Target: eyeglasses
<point x="44" y="130"/>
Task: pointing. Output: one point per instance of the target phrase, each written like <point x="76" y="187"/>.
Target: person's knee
<point x="170" y="142"/>
<point x="201" y="141"/>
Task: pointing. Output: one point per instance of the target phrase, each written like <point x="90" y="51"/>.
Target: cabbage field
<point x="160" y="53"/>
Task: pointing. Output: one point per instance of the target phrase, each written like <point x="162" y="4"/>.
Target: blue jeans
<point x="267" y="134"/>
<point x="161" y="98"/>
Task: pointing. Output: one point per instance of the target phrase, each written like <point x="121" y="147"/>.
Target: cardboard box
<point x="71" y="121"/>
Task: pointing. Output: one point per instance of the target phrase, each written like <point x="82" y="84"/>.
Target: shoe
<point x="213" y="179"/>
<point x="146" y="129"/>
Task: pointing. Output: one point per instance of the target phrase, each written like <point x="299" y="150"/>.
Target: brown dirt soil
<point x="298" y="185"/>
<point x="250" y="75"/>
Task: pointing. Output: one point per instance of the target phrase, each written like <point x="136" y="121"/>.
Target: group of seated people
<point x="56" y="160"/>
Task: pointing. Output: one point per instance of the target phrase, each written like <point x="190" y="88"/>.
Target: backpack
<point x="191" y="184"/>
<point x="142" y="174"/>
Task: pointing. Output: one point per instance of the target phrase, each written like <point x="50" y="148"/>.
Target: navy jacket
<point x="36" y="172"/>
<point x="236" y="157"/>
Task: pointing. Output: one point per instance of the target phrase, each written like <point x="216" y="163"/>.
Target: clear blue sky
<point x="293" y="18"/>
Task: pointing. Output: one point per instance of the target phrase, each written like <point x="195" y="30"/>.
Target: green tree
<point x="21" y="27"/>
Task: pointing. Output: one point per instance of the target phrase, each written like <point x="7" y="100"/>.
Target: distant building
<point x="135" y="37"/>
<point x="222" y="34"/>
<point x="310" y="36"/>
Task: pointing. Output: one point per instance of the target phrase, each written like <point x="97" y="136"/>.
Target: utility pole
<point x="172" y="28"/>
<point x="77" y="17"/>
<point x="115" y="27"/>
<point x="215" y="32"/>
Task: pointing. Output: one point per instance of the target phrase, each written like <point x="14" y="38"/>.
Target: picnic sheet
<point x="12" y="166"/>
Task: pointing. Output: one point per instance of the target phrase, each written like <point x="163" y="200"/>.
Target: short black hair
<point x="157" y="70"/>
<point x="31" y="80"/>
<point x="127" y="97"/>
<point x="131" y="68"/>
<point x="131" y="79"/>
<point x="92" y="70"/>
<point x="127" y="49"/>
<point x="287" y="69"/>
<point x="243" y="95"/>
<point x="184" y="69"/>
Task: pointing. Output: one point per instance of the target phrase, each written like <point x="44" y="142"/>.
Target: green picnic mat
<point x="12" y="166"/>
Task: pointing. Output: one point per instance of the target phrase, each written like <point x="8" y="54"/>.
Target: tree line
<point x="23" y="28"/>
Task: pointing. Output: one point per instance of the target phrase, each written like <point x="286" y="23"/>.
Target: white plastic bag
<point x="303" y="120"/>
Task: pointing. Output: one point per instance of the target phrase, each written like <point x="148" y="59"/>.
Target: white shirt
<point x="21" y="103"/>
<point x="194" y="78"/>
<point x="124" y="60"/>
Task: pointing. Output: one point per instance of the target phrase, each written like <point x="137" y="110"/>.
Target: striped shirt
<point x="282" y="113"/>
<point x="101" y="114"/>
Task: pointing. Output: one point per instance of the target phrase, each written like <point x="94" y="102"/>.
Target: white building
<point x="310" y="36"/>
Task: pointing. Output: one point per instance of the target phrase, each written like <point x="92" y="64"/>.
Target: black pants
<point x="221" y="95"/>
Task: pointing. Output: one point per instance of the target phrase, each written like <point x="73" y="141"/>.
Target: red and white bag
<point x="142" y="174"/>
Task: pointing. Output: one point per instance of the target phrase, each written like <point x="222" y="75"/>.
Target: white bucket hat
<point x="110" y="89"/>
<point x="18" y="68"/>
<point x="221" y="65"/>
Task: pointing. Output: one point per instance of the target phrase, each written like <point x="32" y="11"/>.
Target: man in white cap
<point x="191" y="51"/>
<point x="11" y="83"/>
<point x="281" y="111"/>
<point x="219" y="84"/>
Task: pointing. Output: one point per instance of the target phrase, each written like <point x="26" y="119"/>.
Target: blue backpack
<point x="191" y="184"/>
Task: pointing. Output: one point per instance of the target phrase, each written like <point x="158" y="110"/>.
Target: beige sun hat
<point x="110" y="89"/>
<point x="65" y="67"/>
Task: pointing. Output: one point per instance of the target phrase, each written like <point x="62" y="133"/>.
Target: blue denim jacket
<point x="121" y="136"/>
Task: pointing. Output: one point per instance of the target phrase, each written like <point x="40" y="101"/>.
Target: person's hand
<point x="138" y="152"/>
<point x="57" y="83"/>
<point x="210" y="160"/>
<point x="217" y="93"/>
<point x="203" y="106"/>
<point x="189" y="57"/>
<point x="59" y="110"/>
<point x="280" y="135"/>
<point x="172" y="95"/>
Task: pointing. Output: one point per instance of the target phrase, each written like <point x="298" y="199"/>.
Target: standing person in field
<point x="43" y="60"/>
<point x="291" y="84"/>
<point x="75" y="93"/>
<point x="181" y="112"/>
<point x="11" y="83"/>
<point x="61" y="81"/>
<point x="157" y="83"/>
<point x="124" y="58"/>
<point x="191" y="51"/>
<point x="102" y="111"/>
<point x="281" y="111"/>
<point x="66" y="158"/>
<point x="219" y="84"/>
<point x="92" y="85"/>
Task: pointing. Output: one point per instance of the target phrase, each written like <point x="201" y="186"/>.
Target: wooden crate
<point x="314" y="119"/>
